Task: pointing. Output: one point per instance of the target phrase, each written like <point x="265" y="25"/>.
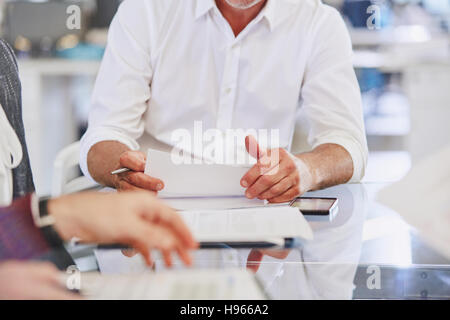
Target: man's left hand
<point x="277" y="176"/>
<point x="256" y="256"/>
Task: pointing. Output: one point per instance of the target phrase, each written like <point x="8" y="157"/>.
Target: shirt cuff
<point x="303" y="170"/>
<point x="95" y="136"/>
<point x="357" y="152"/>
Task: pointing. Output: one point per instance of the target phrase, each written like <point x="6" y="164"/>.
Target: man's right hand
<point x="136" y="179"/>
<point x="107" y="156"/>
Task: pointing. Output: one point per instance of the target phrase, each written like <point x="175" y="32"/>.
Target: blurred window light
<point x="413" y="33"/>
<point x="437" y="6"/>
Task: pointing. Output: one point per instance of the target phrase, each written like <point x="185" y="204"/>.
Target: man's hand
<point x="256" y="256"/>
<point x="136" y="219"/>
<point x="276" y="176"/>
<point x="32" y="281"/>
<point x="136" y="179"/>
<point x="107" y="156"/>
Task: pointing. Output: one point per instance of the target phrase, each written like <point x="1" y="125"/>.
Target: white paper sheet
<point x="114" y="262"/>
<point x="214" y="284"/>
<point x="213" y="203"/>
<point x="194" y="179"/>
<point x="423" y="199"/>
<point x="257" y="224"/>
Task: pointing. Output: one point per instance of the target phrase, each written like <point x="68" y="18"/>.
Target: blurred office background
<point x="402" y="61"/>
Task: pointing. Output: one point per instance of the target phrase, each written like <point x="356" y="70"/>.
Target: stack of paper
<point x="197" y="180"/>
<point x="228" y="284"/>
<point x="212" y="203"/>
<point x="248" y="225"/>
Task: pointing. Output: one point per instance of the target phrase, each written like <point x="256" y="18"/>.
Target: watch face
<point x="44" y="218"/>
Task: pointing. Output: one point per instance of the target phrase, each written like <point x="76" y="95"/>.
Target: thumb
<point x="253" y="148"/>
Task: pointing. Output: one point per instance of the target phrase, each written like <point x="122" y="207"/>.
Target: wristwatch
<point x="44" y="221"/>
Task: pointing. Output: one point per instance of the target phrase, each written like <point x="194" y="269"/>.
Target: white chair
<point x="66" y="180"/>
<point x="65" y="172"/>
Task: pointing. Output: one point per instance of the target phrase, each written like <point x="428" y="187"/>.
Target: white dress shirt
<point x="170" y="63"/>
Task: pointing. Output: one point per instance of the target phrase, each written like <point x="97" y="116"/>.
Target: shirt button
<point x="228" y="91"/>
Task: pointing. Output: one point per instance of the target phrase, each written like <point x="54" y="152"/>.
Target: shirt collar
<point x="270" y="13"/>
<point x="278" y="10"/>
<point x="203" y="7"/>
<point x="274" y="11"/>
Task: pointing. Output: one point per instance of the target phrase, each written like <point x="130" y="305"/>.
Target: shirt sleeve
<point x="19" y="237"/>
<point x="331" y="97"/>
<point x="122" y="88"/>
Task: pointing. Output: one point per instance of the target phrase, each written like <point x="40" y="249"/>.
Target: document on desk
<point x="194" y="180"/>
<point x="214" y="203"/>
<point x="423" y="199"/>
<point x="204" y="284"/>
<point x="271" y="224"/>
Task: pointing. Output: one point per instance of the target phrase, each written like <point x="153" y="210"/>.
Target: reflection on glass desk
<point x="366" y="252"/>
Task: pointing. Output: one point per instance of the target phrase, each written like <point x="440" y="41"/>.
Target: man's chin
<point x="243" y="4"/>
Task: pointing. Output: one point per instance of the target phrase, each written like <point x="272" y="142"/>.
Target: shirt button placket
<point x="229" y="87"/>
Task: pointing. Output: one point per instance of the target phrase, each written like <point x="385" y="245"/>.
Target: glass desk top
<point x="366" y="252"/>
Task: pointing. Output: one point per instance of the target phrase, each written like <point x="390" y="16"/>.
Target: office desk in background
<point x="48" y="115"/>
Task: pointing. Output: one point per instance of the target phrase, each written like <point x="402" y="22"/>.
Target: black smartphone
<point x="316" y="206"/>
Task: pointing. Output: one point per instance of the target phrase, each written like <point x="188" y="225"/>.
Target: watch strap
<point x="46" y="223"/>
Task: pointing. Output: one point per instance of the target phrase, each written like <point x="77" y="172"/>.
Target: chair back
<point x="66" y="173"/>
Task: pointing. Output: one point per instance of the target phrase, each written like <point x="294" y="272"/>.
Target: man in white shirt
<point x="228" y="64"/>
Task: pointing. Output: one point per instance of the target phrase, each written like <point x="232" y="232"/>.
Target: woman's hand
<point x="136" y="219"/>
<point x="32" y="281"/>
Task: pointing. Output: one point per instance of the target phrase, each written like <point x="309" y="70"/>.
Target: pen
<point x="119" y="171"/>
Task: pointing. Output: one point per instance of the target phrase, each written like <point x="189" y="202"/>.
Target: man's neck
<point x="239" y="18"/>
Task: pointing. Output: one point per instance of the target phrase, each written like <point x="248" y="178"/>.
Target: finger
<point x="276" y="157"/>
<point x="277" y="254"/>
<point x="289" y="195"/>
<point x="125" y="186"/>
<point x="253" y="148"/>
<point x="278" y="189"/>
<point x="270" y="159"/>
<point x="133" y="160"/>
<point x="129" y="253"/>
<point x="167" y="258"/>
<point x="145" y="237"/>
<point x="265" y="165"/>
<point x="255" y="172"/>
<point x="254" y="260"/>
<point x="264" y="183"/>
<point x="251" y="176"/>
<point x="153" y="237"/>
<point x="143" y="181"/>
<point x="184" y="255"/>
<point x="146" y="254"/>
<point x="172" y="220"/>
